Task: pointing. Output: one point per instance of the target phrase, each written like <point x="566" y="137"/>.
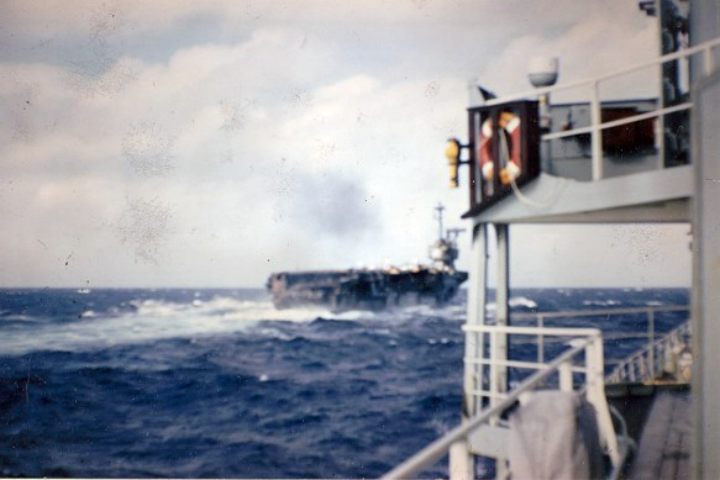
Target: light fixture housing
<point x="543" y="71"/>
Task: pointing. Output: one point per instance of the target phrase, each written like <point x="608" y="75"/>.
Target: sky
<point x="209" y="143"/>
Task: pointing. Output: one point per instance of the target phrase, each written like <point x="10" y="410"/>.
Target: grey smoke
<point x="333" y="204"/>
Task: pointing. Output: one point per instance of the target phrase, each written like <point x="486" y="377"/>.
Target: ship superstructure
<point x="376" y="289"/>
<point x="643" y="161"/>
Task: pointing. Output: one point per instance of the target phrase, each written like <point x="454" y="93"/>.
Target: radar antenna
<point x="453" y="233"/>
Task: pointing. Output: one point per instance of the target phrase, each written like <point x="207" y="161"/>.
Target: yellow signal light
<point x="452" y="152"/>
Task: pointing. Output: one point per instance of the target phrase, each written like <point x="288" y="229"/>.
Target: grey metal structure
<point x="654" y="193"/>
<point x="568" y="156"/>
<point x="706" y="279"/>
<point x="705" y="25"/>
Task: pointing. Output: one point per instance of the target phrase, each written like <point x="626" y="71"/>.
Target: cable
<point x="535" y="204"/>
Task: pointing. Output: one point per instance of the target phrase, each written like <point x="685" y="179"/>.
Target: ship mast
<point x="439" y="216"/>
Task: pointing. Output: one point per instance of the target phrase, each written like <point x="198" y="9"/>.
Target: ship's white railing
<point x="662" y="357"/>
<point x="584" y="356"/>
<point x="580" y="367"/>
<point x="706" y="49"/>
<point x="643" y="365"/>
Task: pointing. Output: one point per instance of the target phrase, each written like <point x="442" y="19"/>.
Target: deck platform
<point x="652" y="196"/>
<point x="664" y="447"/>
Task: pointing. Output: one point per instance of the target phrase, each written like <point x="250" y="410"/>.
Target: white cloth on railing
<point x="553" y="436"/>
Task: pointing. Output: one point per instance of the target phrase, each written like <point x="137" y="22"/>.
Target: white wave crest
<point x="601" y="303"/>
<point x="522" y="302"/>
<point x="155" y="320"/>
<point x="514" y="302"/>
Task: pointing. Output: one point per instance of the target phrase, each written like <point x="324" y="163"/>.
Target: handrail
<point x="518" y="330"/>
<point x="649" y="349"/>
<point x="593" y="84"/>
<point x="432" y="453"/>
<point x="619" y="122"/>
<point x="647" y="355"/>
<point x="702" y="47"/>
<point x="585" y="339"/>
<point x="602" y="311"/>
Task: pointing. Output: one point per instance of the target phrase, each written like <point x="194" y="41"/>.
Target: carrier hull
<point x="344" y="290"/>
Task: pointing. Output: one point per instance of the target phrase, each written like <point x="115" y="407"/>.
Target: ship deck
<point x="664" y="447"/>
<point x="652" y="196"/>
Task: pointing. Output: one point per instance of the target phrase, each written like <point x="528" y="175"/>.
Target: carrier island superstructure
<point x="597" y="161"/>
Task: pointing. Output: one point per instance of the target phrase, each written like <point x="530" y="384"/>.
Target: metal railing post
<point x="461" y="461"/>
<point x="651" y="342"/>
<point x="494" y="374"/>
<point x="594" y="359"/>
<point x="566" y="380"/>
<point x="596" y="135"/>
<point x="642" y="367"/>
<point x="708" y="60"/>
<point x="541" y="340"/>
<point x="502" y="313"/>
<point x="462" y="464"/>
<point x="474" y="341"/>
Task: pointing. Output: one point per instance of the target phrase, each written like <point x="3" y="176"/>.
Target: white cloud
<point x="594" y="47"/>
<point x="312" y="140"/>
<point x="192" y="162"/>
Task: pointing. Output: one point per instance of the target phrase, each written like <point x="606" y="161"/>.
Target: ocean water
<point x="217" y="383"/>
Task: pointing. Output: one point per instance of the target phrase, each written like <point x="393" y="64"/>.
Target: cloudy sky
<point x="208" y="143"/>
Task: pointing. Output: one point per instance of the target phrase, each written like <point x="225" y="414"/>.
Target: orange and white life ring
<point x="485" y="153"/>
<point x="510" y="123"/>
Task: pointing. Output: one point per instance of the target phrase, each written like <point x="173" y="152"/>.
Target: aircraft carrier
<point x="375" y="289"/>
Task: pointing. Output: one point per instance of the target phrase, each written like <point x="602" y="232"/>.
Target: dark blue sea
<point x="216" y="383"/>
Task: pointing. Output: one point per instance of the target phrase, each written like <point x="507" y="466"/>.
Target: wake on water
<point x="154" y="320"/>
<point x="145" y="320"/>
